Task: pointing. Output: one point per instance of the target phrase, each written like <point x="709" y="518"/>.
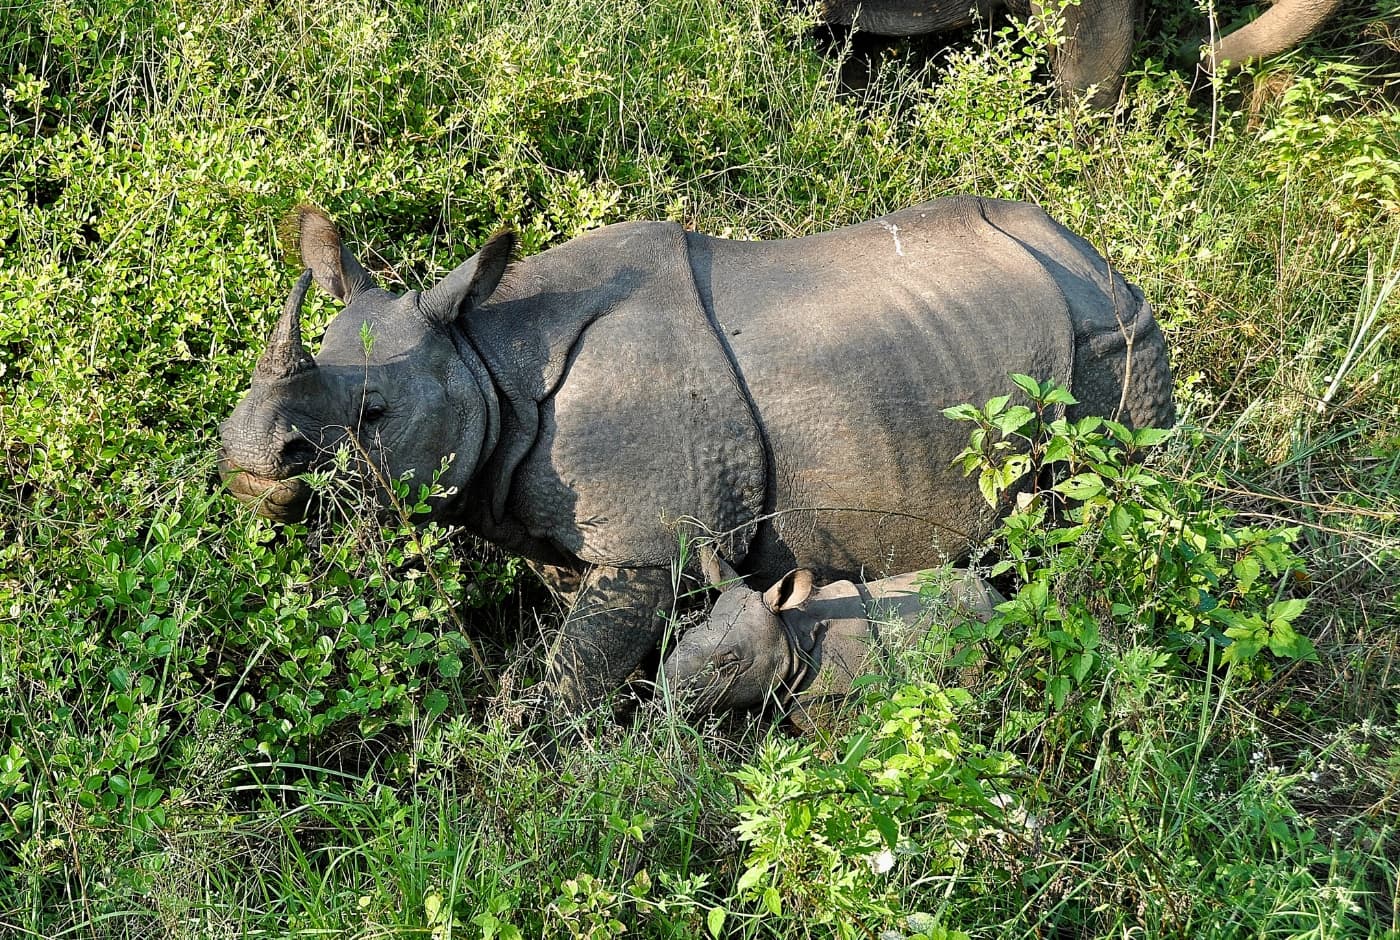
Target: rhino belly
<point x="851" y="344"/>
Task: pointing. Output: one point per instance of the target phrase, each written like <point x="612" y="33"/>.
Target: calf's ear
<point x="311" y="234"/>
<point x="792" y="591"/>
<point x="471" y="282"/>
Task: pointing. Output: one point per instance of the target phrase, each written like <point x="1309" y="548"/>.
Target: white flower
<point x="881" y="861"/>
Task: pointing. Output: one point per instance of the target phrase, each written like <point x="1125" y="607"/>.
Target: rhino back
<point x="851" y="344"/>
<point x="1120" y="363"/>
<point x="626" y="416"/>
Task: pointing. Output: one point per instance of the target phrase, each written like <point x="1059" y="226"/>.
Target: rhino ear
<point x="792" y="591"/>
<point x="311" y="235"/>
<point x="471" y="282"/>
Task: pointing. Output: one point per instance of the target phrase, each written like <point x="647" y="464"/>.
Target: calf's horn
<point x="718" y="571"/>
<point x="285" y="356"/>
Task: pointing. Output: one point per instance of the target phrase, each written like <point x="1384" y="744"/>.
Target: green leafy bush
<point x="1142" y="557"/>
<point x="218" y="727"/>
<point x="825" y="839"/>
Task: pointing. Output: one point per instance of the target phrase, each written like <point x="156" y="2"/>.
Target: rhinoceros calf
<point x="785" y="395"/>
<point x="801" y="646"/>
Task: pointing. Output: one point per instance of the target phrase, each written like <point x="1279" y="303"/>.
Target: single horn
<point x="285" y="356"/>
<point x="718" y="571"/>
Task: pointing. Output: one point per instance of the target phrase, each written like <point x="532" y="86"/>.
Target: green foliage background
<point x="216" y="727"/>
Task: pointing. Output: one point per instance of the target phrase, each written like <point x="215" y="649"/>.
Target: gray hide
<point x="1098" y="34"/>
<point x="784" y="395"/>
<point x="800" y="646"/>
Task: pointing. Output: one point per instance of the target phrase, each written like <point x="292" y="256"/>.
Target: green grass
<point x="216" y="727"/>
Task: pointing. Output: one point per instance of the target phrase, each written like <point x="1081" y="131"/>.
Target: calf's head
<point x="741" y="654"/>
<point x="393" y="378"/>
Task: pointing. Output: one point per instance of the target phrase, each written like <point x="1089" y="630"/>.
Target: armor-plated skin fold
<point x="784" y="397"/>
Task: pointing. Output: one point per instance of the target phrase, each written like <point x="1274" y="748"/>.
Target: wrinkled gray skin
<point x="786" y="396"/>
<point x="801" y="646"/>
<point x="1098" y="33"/>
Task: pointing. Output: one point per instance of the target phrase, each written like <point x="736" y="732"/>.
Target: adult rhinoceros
<point x="786" y="395"/>
<point x="1098" y="34"/>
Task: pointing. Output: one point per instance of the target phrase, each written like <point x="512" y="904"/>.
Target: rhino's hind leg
<point x="617" y="620"/>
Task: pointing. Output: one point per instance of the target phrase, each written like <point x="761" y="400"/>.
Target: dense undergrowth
<point x="1186" y="724"/>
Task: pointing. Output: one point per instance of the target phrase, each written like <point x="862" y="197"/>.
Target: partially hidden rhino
<point x="1098" y="34"/>
<point x="785" y="396"/>
<point x="799" y="646"/>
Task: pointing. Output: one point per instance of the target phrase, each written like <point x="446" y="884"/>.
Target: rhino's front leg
<point x="617" y="619"/>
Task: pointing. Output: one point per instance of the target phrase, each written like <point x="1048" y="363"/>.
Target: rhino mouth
<point x="282" y="500"/>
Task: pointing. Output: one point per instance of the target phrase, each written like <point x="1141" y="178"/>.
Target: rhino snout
<point x="713" y="678"/>
<point x="282" y="500"/>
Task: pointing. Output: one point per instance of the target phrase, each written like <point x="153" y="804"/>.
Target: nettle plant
<point x="1105" y="548"/>
<point x="833" y="844"/>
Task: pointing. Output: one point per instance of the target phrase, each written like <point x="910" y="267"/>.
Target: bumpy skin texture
<point x="1098" y="34"/>
<point x="801" y="647"/>
<point x="784" y="397"/>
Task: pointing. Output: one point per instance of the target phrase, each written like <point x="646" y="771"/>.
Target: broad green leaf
<point x="1150" y="437"/>
<point x="987" y="485"/>
<point x="1246" y="571"/>
<point x="435" y="702"/>
<point x="1120" y="519"/>
<point x="1286" y="643"/>
<point x="1247" y="639"/>
<point x="1015" y="467"/>
<point x="432" y="907"/>
<point x="889" y="828"/>
<point x="1057" y="450"/>
<point x="1027" y="384"/>
<point x="1282" y="612"/>
<point x="1035" y="594"/>
<point x="800" y="820"/>
<point x="1088" y="424"/>
<point x="1081" y="487"/>
<point x="714" y="921"/>
<point x="750" y="877"/>
<point x="1014" y="419"/>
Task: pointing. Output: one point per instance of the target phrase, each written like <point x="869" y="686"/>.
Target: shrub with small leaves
<point x="824" y="839"/>
<point x="1105" y="549"/>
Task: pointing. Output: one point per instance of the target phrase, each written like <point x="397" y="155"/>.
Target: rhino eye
<point x="373" y="408"/>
